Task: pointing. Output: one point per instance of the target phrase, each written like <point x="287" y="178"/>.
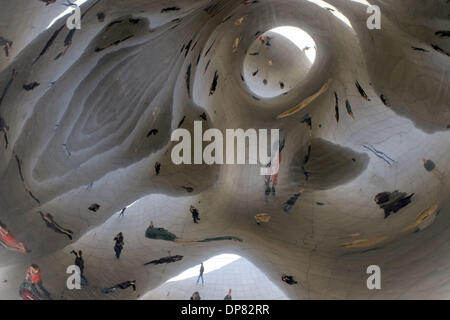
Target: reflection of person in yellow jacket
<point x="426" y="215"/>
<point x="364" y="243"/>
<point x="262" y="217"/>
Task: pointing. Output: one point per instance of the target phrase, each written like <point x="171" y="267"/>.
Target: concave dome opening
<point x="278" y="60"/>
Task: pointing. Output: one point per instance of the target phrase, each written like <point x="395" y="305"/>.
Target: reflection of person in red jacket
<point x="33" y="275"/>
<point x="9" y="241"/>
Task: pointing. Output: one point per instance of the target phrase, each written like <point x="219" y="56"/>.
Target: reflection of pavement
<point x="244" y="278"/>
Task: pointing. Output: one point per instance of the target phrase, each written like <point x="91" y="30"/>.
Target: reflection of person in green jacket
<point x="163" y="234"/>
<point x="349" y="109"/>
<point x="228" y="296"/>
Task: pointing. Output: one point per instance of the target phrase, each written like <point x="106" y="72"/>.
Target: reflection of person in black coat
<point x="79" y="261"/>
<point x="157" y="168"/>
<point x="94" y="207"/>
<point x="443" y="33"/>
<point x="361" y="91"/>
<point x="336" y="107"/>
<point x="122" y="286"/>
<point x="214" y="84"/>
<point x="392" y="201"/>
<point x="195" y="213"/>
<point x="119" y="244"/>
<point x="47" y="2"/>
<point x="288" y="279"/>
<point x="168" y="259"/>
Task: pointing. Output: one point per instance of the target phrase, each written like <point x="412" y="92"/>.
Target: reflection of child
<point x="214" y="84"/>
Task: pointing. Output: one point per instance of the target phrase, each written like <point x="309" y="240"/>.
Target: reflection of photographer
<point x="79" y="262"/>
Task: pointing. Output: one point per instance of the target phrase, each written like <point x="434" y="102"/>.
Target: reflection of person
<point x="195" y="213"/>
<point x="94" y="207"/>
<point x="119" y="244"/>
<point x="443" y="33"/>
<point x="153" y="132"/>
<point x="336" y="107"/>
<point x="168" y="259"/>
<point x="349" y="109"/>
<point x="288" y="205"/>
<point x="28" y="292"/>
<point x="159" y="233"/>
<point x="6" y="45"/>
<point x="202" y="269"/>
<point x="47" y="2"/>
<point x="10" y="242"/>
<point x="430" y="166"/>
<point x="4" y="128"/>
<point x="188" y="189"/>
<point x="288" y="279"/>
<point x="195" y="296"/>
<point x="157" y="168"/>
<point x="79" y="261"/>
<point x="33" y="275"/>
<point x="8" y="84"/>
<point x="308" y="120"/>
<point x="187" y="77"/>
<point x="262" y="218"/>
<point x="274" y="178"/>
<point x="361" y="91"/>
<point x="228" y="296"/>
<point x="122" y="286"/>
<point x="392" y="201"/>
<point x="49" y="222"/>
